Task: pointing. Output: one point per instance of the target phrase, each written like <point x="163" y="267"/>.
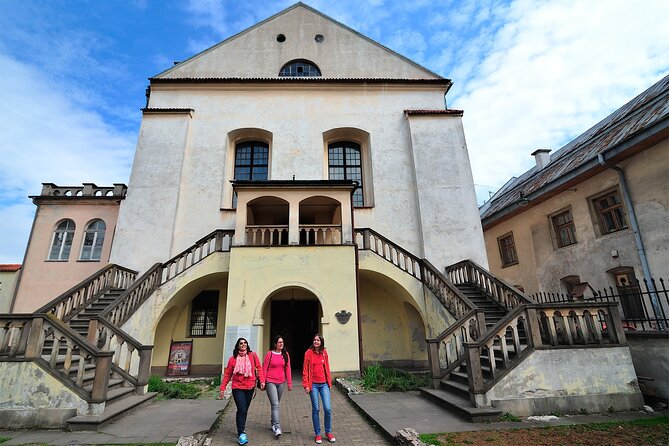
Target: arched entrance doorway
<point x="294" y="314"/>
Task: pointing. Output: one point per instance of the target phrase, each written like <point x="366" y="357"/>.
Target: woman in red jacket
<point x="242" y="368"/>
<point x="317" y="380"/>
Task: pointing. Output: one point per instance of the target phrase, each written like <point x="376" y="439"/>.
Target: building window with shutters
<point x="562" y="226"/>
<point x="507" y="250"/>
<point x="204" y="314"/>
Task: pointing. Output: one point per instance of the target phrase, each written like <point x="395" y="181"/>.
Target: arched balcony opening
<point x="267" y="222"/>
<point x="320" y="221"/>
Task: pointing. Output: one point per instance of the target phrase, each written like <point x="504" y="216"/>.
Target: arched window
<point x="251" y="162"/>
<point x="300" y="68"/>
<point x="94" y="237"/>
<point x="345" y="163"/>
<point x="62" y="241"/>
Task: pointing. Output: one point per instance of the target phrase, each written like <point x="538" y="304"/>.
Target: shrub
<point x="174" y="390"/>
<point x="376" y="377"/>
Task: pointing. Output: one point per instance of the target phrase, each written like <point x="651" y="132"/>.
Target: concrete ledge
<point x="524" y="407"/>
<point x="35" y="418"/>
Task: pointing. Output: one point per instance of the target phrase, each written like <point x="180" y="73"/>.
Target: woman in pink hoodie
<point x="276" y="368"/>
<point x="242" y="368"/>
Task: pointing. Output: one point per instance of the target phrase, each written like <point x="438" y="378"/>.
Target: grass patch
<point x="510" y="417"/>
<point x="3" y="439"/>
<point x="192" y="390"/>
<point x="376" y="377"/>
<point x="644" y="431"/>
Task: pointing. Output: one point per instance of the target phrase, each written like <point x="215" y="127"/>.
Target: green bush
<point x="156" y="384"/>
<point x="376" y="377"/>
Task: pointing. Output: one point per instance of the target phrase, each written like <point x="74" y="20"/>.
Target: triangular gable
<point x="256" y="53"/>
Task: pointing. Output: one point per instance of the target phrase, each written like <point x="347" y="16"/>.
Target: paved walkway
<point x="349" y="425"/>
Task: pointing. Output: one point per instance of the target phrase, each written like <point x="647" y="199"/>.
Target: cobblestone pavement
<point x="350" y="426"/>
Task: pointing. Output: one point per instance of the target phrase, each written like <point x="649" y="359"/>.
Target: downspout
<point x="357" y="286"/>
<point x="637" y="234"/>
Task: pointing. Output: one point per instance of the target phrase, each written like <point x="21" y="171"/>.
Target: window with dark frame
<point x="300" y="68"/>
<point x="204" y="314"/>
<point x="251" y="163"/>
<point x="507" y="250"/>
<point x="61" y="245"/>
<point x="610" y="214"/>
<point x="630" y="293"/>
<point x="345" y="163"/>
<point x="564" y="229"/>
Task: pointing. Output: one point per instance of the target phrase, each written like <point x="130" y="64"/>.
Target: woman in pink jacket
<point x="242" y="368"/>
<point x="276" y="368"/>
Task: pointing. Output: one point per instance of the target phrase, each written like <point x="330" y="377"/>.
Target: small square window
<point x="507" y="250"/>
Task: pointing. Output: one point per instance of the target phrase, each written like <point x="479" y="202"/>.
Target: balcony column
<point x="294" y="223"/>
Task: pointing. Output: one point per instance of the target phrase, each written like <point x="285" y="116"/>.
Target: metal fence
<point x="644" y="306"/>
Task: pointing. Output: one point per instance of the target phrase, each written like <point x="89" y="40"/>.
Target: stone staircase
<point x="453" y="392"/>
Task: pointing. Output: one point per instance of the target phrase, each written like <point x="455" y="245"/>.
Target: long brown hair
<point x="283" y="350"/>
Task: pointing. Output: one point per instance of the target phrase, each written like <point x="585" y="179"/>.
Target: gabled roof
<point x="641" y="122"/>
<point x="9" y="267"/>
<point x="255" y="52"/>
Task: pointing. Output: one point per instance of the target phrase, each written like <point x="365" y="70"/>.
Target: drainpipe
<point x="357" y="286"/>
<point x="637" y="234"/>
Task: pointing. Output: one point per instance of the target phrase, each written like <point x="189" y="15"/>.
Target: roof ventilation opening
<point x="280" y="38"/>
<point x="542" y="157"/>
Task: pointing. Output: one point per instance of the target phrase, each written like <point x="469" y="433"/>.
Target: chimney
<point x="542" y="157"/>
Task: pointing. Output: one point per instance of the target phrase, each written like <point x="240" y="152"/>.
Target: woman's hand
<point x="306" y="389"/>
<point x="220" y="394"/>
<point x="290" y="388"/>
<point x="262" y="386"/>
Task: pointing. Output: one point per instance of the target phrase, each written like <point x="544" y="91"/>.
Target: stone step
<point x="113" y="411"/>
<point x="461" y="406"/>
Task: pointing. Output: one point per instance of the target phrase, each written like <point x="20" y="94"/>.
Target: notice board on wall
<point x="178" y="363"/>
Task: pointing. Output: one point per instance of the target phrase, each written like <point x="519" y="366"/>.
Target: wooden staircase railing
<point x="41" y="337"/>
<point x="74" y="300"/>
<point x="545" y="326"/>
<point x="468" y="271"/>
<point x="445" y="351"/>
<point x="119" y="311"/>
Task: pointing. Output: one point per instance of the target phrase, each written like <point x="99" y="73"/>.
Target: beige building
<point x="595" y="211"/>
<point x="297" y="178"/>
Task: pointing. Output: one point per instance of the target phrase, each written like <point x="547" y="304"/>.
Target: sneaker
<point x="243" y="439"/>
<point x="274" y="429"/>
<point x="318" y="440"/>
<point x="330" y="437"/>
<point x="277" y="432"/>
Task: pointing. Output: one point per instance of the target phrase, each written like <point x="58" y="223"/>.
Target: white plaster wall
<point x="449" y="216"/>
<point x="30" y="397"/>
<point x="147" y="217"/>
<point x="7" y="283"/>
<point x="178" y="176"/>
<point x="343" y="53"/>
<point x="567" y="373"/>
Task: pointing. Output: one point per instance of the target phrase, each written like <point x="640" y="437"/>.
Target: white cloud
<point x="45" y="136"/>
<point x="555" y="69"/>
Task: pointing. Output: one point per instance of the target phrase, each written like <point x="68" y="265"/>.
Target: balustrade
<point x="266" y="235"/>
<point x="320" y="234"/>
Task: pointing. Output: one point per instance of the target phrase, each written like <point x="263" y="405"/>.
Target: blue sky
<point x="528" y="74"/>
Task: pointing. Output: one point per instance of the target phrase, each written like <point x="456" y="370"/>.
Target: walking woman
<point x="276" y="367"/>
<point x="243" y="367"/>
<point x="317" y="380"/>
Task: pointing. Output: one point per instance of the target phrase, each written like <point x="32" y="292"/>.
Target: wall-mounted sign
<point x="178" y="363"/>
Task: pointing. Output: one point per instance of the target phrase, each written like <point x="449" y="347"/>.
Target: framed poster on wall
<point x="178" y="363"/>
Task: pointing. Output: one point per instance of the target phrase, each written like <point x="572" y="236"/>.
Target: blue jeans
<point x="323" y="390"/>
<point x="242" y="401"/>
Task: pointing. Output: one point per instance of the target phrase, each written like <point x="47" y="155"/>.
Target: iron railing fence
<point x="644" y="305"/>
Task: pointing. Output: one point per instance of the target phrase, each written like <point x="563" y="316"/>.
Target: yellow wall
<point x="326" y="271"/>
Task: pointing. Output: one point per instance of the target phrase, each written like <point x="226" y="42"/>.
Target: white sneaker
<point x="274" y="429"/>
<point x="277" y="432"/>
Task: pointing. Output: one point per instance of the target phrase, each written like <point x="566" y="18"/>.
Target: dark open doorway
<point x="296" y="321"/>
